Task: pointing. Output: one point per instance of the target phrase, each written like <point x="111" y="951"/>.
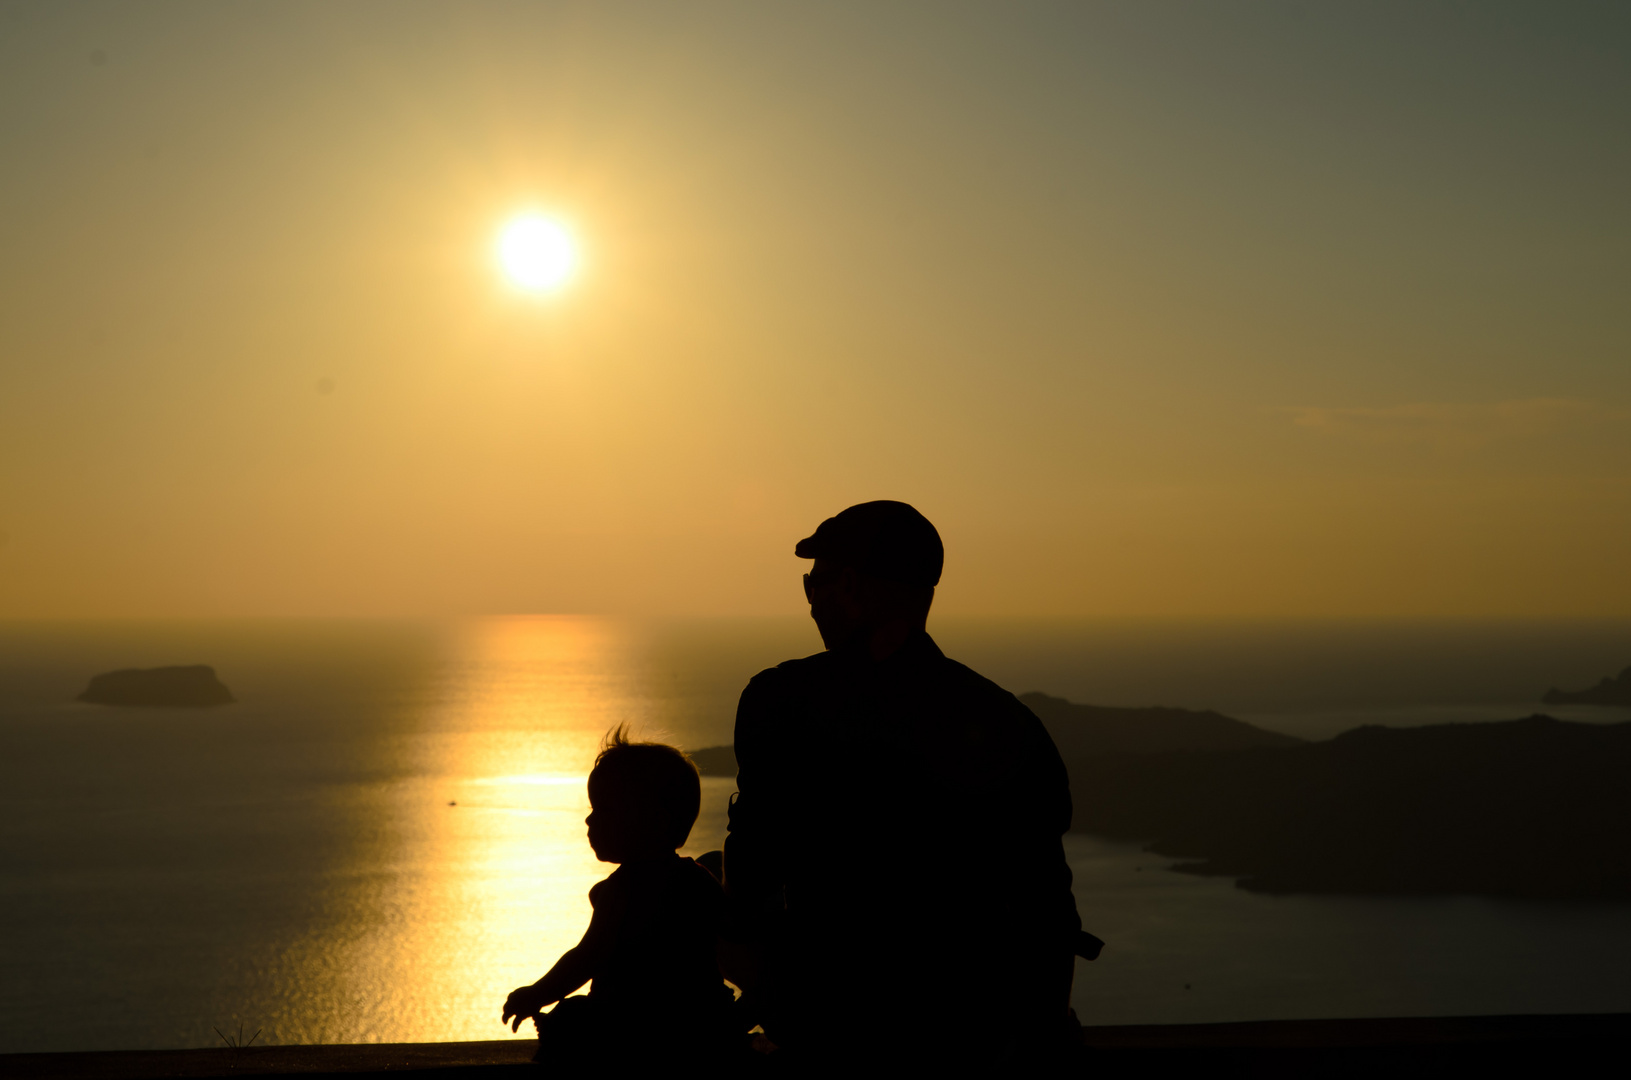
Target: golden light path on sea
<point x="478" y="874"/>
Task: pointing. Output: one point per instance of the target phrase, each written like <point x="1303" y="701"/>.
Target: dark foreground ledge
<point x="447" y="1061"/>
<point x="1412" y="1046"/>
<point x="1530" y="1046"/>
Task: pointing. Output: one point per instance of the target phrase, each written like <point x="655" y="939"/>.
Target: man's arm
<point x="754" y="870"/>
<point x="1042" y="873"/>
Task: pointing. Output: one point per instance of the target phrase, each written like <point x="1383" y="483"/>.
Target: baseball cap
<point x="885" y="539"/>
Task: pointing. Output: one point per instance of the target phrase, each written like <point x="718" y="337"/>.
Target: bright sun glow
<point x="536" y="253"/>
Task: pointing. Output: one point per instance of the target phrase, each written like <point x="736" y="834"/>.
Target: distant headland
<point x="191" y="686"/>
<point x="1522" y="808"/>
<point x="1089" y="731"/>
<point x="1608" y="692"/>
<point x="1525" y="808"/>
<point x="1081" y="731"/>
<point x="715" y="760"/>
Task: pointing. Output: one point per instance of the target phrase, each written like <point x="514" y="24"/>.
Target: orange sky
<point x="1244" y="310"/>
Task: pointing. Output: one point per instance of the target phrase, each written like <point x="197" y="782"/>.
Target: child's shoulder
<point x="607" y="891"/>
<point x="657" y="876"/>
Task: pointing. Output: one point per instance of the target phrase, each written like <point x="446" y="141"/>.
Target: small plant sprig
<point x="237" y="1043"/>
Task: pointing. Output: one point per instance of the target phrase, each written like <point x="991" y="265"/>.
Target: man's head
<point x="644" y="798"/>
<point x="876" y="566"/>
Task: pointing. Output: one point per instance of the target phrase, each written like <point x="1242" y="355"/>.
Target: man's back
<point x="908" y="814"/>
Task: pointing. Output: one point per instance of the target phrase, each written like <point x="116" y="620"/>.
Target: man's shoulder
<point x="791" y="673"/>
<point x="964" y="680"/>
<point x="981" y="701"/>
<point x="777" y="694"/>
<point x="956" y="671"/>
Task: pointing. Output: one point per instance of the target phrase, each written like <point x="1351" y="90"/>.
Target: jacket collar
<point x="917" y="649"/>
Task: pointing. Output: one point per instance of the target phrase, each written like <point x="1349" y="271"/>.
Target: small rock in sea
<point x="191" y="686"/>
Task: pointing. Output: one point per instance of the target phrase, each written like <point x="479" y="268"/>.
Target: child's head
<point x="643" y="799"/>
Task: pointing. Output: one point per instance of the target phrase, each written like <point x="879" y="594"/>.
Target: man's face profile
<point x="829" y="588"/>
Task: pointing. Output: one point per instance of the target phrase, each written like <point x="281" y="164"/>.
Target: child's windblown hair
<point x="656" y="778"/>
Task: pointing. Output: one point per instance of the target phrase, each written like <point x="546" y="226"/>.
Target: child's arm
<point x="575" y="967"/>
<point x="571" y="971"/>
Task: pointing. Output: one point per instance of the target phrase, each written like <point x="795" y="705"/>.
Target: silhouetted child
<point x="650" y="947"/>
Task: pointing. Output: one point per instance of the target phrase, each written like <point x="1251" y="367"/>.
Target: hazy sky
<point x="1166" y="309"/>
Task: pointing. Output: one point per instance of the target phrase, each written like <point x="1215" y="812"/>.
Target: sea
<point x="384" y="835"/>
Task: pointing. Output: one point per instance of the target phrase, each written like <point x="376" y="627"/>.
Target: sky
<point x="1157" y="310"/>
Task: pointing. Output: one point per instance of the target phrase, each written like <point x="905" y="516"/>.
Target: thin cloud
<point x="1451" y="423"/>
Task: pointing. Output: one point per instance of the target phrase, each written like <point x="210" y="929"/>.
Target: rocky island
<point x="1608" y="692"/>
<point x="190" y="686"/>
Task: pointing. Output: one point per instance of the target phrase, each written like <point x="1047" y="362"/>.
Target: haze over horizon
<point x="1266" y="310"/>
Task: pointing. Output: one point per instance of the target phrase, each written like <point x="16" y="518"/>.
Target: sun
<point x="536" y="252"/>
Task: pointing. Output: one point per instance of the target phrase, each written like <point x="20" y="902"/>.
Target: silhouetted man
<point x="895" y="852"/>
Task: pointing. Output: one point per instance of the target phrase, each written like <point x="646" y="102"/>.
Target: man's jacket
<point x="896" y="845"/>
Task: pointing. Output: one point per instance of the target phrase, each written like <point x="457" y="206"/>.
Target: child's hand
<point x="522" y="1004"/>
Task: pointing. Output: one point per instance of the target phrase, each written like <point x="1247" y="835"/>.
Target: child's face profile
<point x="617" y="831"/>
<point x="605" y="832"/>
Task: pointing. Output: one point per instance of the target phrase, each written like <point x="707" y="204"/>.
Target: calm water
<point x="385" y="835"/>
